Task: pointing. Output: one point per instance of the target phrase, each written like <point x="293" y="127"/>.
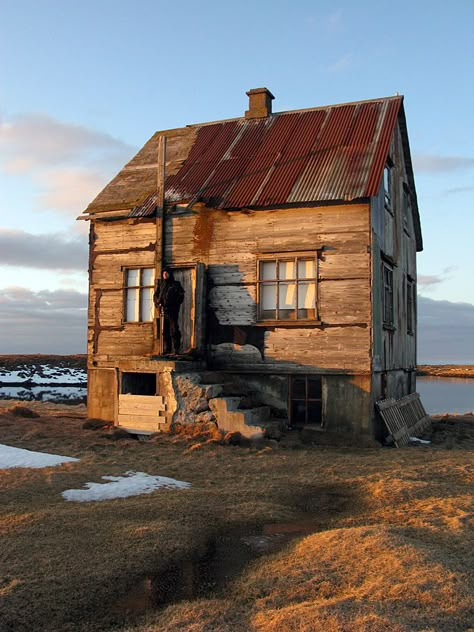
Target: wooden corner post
<point x="160" y="239"/>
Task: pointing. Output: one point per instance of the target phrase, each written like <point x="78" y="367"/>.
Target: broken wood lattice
<point x="404" y="417"/>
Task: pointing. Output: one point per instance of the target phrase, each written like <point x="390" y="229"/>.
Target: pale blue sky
<point x="84" y="84"/>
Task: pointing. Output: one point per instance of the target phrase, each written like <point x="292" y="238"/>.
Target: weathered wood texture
<point x="229" y="244"/>
<point x="141" y="412"/>
<point x="393" y="237"/>
<point x="101" y="394"/>
<point x="404" y="418"/>
<point x="138" y="178"/>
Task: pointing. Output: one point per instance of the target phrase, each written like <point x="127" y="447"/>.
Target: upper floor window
<point x="139" y="286"/>
<point x="388" y="295"/>
<point x="406" y="207"/>
<point x="287" y="287"/>
<point x="387" y="186"/>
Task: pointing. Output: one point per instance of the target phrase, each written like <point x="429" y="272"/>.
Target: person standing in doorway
<point x="168" y="296"/>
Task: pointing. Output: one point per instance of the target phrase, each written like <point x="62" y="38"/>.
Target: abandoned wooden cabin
<point x="294" y="235"/>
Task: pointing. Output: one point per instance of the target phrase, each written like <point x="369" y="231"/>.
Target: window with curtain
<point x="287" y="287"/>
<point x="139" y="286"/>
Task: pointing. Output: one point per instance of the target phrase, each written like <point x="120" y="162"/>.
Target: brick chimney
<point x="260" y="103"/>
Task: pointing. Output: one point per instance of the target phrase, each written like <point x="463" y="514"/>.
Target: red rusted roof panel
<point x="332" y="153"/>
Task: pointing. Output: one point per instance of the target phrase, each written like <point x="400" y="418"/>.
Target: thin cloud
<point x="432" y="163"/>
<point x="458" y="190"/>
<point x="68" y="163"/>
<point x="429" y="281"/>
<point x="445" y="332"/>
<point x="341" y="64"/>
<point x="425" y="280"/>
<point x="48" y="252"/>
<point x="32" y="141"/>
<point x="42" y="322"/>
<point x="69" y="189"/>
<point x="334" y="22"/>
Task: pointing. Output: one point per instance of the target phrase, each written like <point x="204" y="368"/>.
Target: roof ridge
<point x="283" y="112"/>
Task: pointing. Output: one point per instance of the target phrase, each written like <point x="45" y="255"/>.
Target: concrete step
<point x="231" y="419"/>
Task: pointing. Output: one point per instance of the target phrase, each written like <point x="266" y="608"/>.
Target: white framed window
<point x="388" y="295"/>
<point x="287" y="286"/>
<point x="138" y="295"/>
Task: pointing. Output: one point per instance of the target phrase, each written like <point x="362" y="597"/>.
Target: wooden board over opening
<point x="142" y="413"/>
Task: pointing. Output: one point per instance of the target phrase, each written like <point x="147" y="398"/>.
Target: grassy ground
<point x="391" y="551"/>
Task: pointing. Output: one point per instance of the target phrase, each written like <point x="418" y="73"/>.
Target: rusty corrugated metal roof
<point x="323" y="154"/>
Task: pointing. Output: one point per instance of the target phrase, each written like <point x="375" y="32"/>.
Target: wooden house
<point x="294" y="235"/>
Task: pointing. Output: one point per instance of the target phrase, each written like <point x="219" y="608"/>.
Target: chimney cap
<point x="260" y="103"/>
<point x="260" y="91"/>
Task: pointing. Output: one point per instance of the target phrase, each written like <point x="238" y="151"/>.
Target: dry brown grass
<point x="391" y="553"/>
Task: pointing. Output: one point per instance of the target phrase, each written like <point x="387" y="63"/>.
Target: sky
<point x="83" y="85"/>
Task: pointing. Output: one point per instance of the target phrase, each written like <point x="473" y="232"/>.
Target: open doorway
<point x="138" y="384"/>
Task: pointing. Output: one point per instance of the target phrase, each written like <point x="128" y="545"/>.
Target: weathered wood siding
<point x="116" y="245"/>
<point x="393" y="240"/>
<point x="229" y="243"/>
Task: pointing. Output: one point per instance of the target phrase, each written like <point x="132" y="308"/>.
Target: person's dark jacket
<point x="169" y="294"/>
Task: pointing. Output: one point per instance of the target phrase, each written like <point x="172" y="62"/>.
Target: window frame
<point x="387" y="290"/>
<point x="406" y="207"/>
<point x="278" y="257"/>
<point x="387" y="180"/>
<point x="307" y="400"/>
<point x="410" y="303"/>
<point x="140" y="289"/>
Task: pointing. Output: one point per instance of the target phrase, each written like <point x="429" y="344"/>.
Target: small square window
<point x="287" y="287"/>
<point x="305" y="405"/>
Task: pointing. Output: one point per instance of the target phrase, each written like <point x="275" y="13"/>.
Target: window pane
<point x="298" y="412"/>
<point x="314" y="387"/>
<point x="298" y="388"/>
<point x="148" y="276"/>
<point x="314" y="413"/>
<point x="131" y="306"/>
<point x="286" y="270"/>
<point x="306" y="269"/>
<point x="133" y="277"/>
<point x="287" y="295"/>
<point x="146" y="304"/>
<point x="267" y="270"/>
<point x="306" y="295"/>
<point x="268" y="300"/>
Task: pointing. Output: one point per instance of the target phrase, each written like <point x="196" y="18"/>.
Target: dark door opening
<point x="138" y="384"/>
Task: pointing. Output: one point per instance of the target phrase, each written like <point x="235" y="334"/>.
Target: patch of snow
<point x="43" y="374"/>
<point x="416" y="440"/>
<point x="131" y="484"/>
<point x="18" y="457"/>
<point x="43" y="393"/>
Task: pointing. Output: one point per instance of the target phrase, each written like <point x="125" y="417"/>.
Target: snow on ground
<point x="43" y="374"/>
<point x="43" y="393"/>
<point x="18" y="457"/>
<point x="131" y="484"/>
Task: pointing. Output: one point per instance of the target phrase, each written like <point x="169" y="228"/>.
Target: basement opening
<point x="139" y="384"/>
